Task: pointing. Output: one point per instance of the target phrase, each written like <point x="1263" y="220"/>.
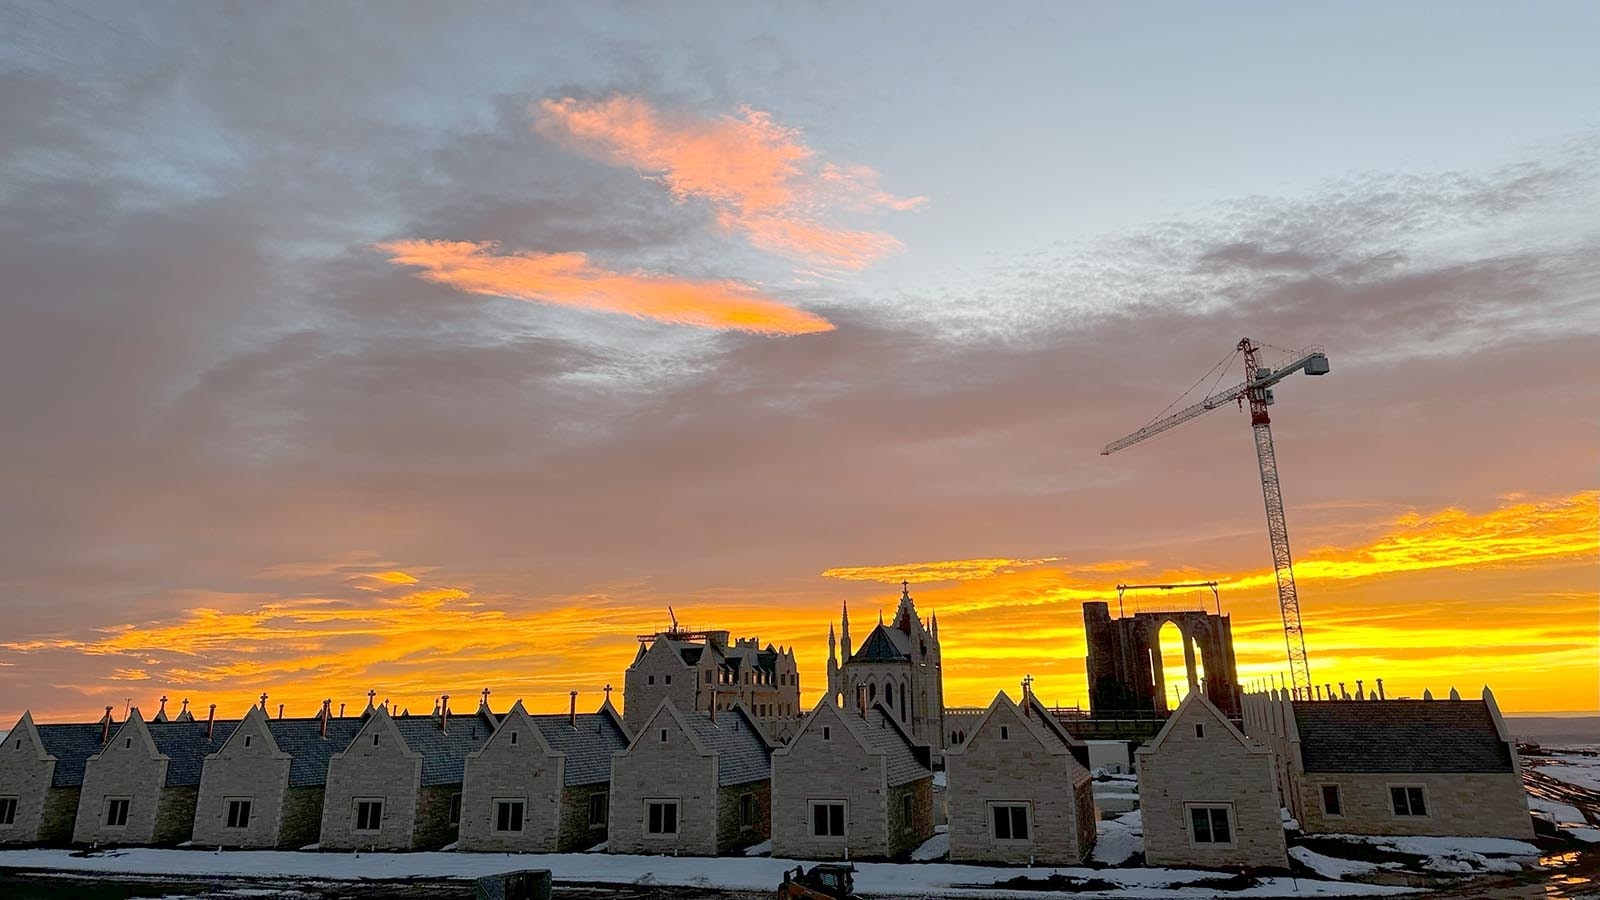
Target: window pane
<point x="1221" y="833"/>
<point x="1398" y="797"/>
<point x="655" y="818"/>
<point x="1002" y="823"/>
<point x="1019" y="823"/>
<point x="502" y="817"/>
<point x="1418" y="807"/>
<point x="1202" y="825"/>
<point x="1330" y="800"/>
<point x="669" y="818"/>
<point x="836" y="818"/>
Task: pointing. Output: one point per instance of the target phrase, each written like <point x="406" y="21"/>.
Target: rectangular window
<point x="508" y="815"/>
<point x="513" y="738"/>
<point x="649" y="679"/>
<point x="661" y="816"/>
<point x="599" y="809"/>
<point x="1332" y="803"/>
<point x="708" y="677"/>
<point x="8" y="810"/>
<point x="1199" y="729"/>
<point x="247" y="740"/>
<point x="1211" y="825"/>
<point x="827" y="818"/>
<point x="668" y="678"/>
<point x="827" y="733"/>
<point x="369" y="815"/>
<point x="1010" y="821"/>
<point x="663" y="735"/>
<point x="117" y="812"/>
<point x="747" y="810"/>
<point x="1408" y="800"/>
<point x="455" y="809"/>
<point x="238" y="812"/>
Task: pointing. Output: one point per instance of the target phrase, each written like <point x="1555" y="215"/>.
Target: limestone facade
<point x="1359" y="767"/>
<point x="899" y="665"/>
<point x="692" y="783"/>
<point x="1208" y="794"/>
<point x="373" y="789"/>
<point x="696" y="669"/>
<point x="540" y="784"/>
<point x="851" y="784"/>
<point x="142" y="787"/>
<point x="1018" y="791"/>
<point x="26" y="772"/>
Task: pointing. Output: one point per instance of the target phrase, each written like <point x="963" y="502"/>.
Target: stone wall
<point x="259" y="773"/>
<point x="389" y="771"/>
<point x="528" y="771"/>
<point x="433" y="828"/>
<point x="128" y="767"/>
<point x="1469" y="804"/>
<point x="175" y="816"/>
<point x="25" y="774"/>
<point x="672" y="769"/>
<point x="640" y="696"/>
<point x="812" y="768"/>
<point x="1018" y="769"/>
<point x="578" y="833"/>
<point x="733" y="836"/>
<point x="1181" y="768"/>
<point x="60" y="814"/>
<point x="302" y="817"/>
<point x="907" y="834"/>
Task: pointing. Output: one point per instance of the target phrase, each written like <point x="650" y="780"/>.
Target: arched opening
<point x="872" y="692"/>
<point x="902" y="701"/>
<point x="1172" y="682"/>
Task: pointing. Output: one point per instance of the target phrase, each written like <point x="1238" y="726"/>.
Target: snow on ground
<point x="1555" y="812"/>
<point x="1119" y="839"/>
<point x="936" y="847"/>
<point x="1329" y="866"/>
<point x="1454" y="855"/>
<point x="731" y="873"/>
<point x="762" y="849"/>
<point x="1574" y="769"/>
<point x="1586" y="834"/>
<point x="941" y="779"/>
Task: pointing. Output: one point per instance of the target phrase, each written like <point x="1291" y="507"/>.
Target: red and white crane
<point x="1256" y="390"/>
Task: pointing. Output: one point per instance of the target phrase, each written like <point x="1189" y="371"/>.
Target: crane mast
<point x="1256" y="390"/>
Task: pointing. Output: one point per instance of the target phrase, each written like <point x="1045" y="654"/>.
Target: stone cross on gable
<point x="485" y="696"/>
<point x="608" y="693"/>
<point x="905" y="588"/>
<point x="263" y="701"/>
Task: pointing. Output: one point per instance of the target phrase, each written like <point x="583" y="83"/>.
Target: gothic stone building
<point x="398" y="785"/>
<point x="697" y="783"/>
<point x="1019" y="791"/>
<point x="851" y="783"/>
<point x="696" y="669"/>
<point x="1395" y="767"/>
<point x="1124" y="661"/>
<point x="898" y="665"/>
<point x="41" y="775"/>
<point x="142" y="787"/>
<point x="1208" y="795"/>
<point x="264" y="787"/>
<point x="540" y="783"/>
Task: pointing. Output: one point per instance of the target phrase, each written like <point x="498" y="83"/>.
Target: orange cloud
<point x="758" y="176"/>
<point x="945" y="570"/>
<point x="569" y="279"/>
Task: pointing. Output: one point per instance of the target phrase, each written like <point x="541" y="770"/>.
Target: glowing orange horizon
<point x="1453" y="598"/>
<point x="570" y="279"/>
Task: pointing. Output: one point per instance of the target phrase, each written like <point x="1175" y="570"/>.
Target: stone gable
<point x="386" y="770"/>
<point x="828" y="761"/>
<point x="248" y="767"/>
<point x="26" y="770"/>
<point x="665" y="762"/>
<point x="128" y="768"/>
<point x="516" y="765"/>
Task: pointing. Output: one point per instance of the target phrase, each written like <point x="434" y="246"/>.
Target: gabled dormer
<point x="251" y="737"/>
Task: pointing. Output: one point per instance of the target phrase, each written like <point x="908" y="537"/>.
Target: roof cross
<point x="608" y="693"/>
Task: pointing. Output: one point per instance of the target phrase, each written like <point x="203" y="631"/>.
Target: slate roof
<point x="742" y="756"/>
<point x="186" y="747"/>
<point x="588" y="747"/>
<point x="906" y="762"/>
<point x="308" y="750"/>
<point x="71" y="745"/>
<point x="444" y="753"/>
<point x="1399" y="736"/>
<point x="1052" y="726"/>
<point x="691" y="654"/>
<point x="880" y="646"/>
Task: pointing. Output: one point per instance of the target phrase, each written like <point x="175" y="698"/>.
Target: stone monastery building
<point x="693" y="669"/>
<point x="899" y="665"/>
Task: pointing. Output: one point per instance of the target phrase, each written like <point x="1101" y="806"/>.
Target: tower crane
<point x="1256" y="390"/>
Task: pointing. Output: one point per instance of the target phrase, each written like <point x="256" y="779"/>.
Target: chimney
<point x="572" y="711"/>
<point x="280" y="710"/>
<point x="713" y="704"/>
<point x="341" y="710"/>
<point x="1360" y="691"/>
<point x="1344" y="693"/>
<point x="444" y="713"/>
<point x="105" y="727"/>
<point x="1380" y="690"/>
<point x="1319" y="692"/>
<point x="211" y="721"/>
<point x="325" y="706"/>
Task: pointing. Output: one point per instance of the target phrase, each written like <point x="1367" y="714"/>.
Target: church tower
<point x="898" y="666"/>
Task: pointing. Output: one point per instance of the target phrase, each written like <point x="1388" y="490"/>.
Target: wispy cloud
<point x="943" y="570"/>
<point x="570" y="279"/>
<point x="760" y="177"/>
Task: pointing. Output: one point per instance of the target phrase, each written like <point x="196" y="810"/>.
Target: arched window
<point x="872" y="692"/>
<point x="902" y="701"/>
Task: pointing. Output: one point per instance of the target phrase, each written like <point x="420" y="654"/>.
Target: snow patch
<point x="936" y="847"/>
<point x="762" y="849"/>
<point x="1330" y="866"/>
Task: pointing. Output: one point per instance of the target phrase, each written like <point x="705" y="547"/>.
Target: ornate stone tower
<point x="899" y="665"/>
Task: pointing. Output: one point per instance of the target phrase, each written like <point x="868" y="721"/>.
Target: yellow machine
<point x="827" y="881"/>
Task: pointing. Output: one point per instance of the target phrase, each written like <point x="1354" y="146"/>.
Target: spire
<point x="905" y="615"/>
<point x="844" y="632"/>
<point x="833" y="655"/>
<point x="935" y="623"/>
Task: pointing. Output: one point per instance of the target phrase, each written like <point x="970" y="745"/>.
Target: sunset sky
<point x="423" y="349"/>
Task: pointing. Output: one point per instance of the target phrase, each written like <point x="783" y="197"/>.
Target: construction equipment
<point x="827" y="881"/>
<point x="1256" y="390"/>
<point x="1125" y="588"/>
